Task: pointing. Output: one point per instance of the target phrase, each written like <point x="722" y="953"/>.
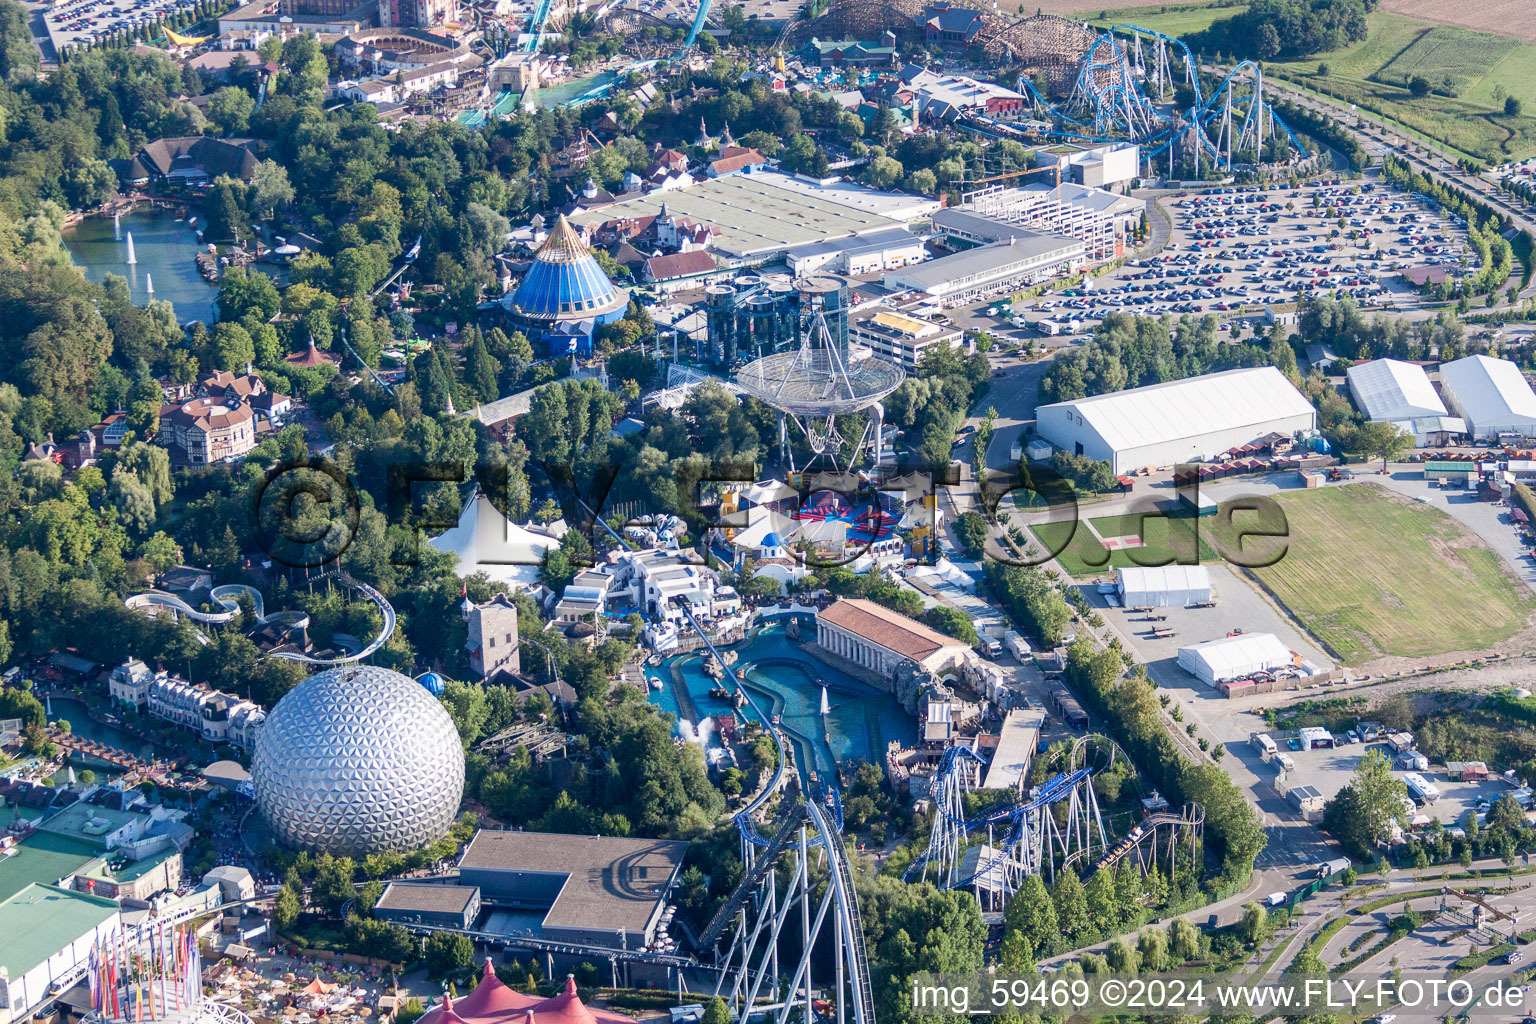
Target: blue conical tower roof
<point x="565" y="282"/>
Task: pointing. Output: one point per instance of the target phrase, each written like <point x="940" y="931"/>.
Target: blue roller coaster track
<point x="1109" y="102"/>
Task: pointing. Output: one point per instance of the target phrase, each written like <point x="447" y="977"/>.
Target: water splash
<point x="699" y="734"/>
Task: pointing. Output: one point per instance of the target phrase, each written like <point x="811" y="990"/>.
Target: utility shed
<point x="1164" y="586"/>
<point x="1390" y="389"/>
<point x="1178" y="421"/>
<point x="1490" y="394"/>
<point x="1234" y="657"/>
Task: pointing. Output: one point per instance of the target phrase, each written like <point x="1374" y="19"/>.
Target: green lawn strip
<point x="1482" y="958"/>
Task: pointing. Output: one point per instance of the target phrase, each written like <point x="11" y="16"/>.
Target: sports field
<point x="1370" y="573"/>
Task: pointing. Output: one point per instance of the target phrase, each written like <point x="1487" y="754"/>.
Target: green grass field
<point x="1372" y="574"/>
<point x="1165" y="538"/>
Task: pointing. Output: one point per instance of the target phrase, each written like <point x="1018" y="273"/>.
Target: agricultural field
<point x="1509" y="17"/>
<point x="1373" y="73"/>
<point x="1448" y="56"/>
<point x="1170" y="19"/>
<point x="1370" y="573"/>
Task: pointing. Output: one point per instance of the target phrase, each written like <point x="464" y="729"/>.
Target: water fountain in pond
<point x="132" y="259"/>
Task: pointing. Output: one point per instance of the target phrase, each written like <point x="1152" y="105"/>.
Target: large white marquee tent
<point x="1164" y="586"/>
<point x="1184" y="420"/>
<point x="1490" y="394"/>
<point x="1234" y="657"/>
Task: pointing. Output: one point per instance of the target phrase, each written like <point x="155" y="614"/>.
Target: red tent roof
<point x="494" y="1003"/>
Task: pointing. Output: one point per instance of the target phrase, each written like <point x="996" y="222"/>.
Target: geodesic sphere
<point x="358" y="760"/>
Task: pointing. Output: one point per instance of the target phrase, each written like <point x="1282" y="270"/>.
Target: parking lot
<point x="84" y="22"/>
<point x="1330" y="770"/>
<point x="1233" y="252"/>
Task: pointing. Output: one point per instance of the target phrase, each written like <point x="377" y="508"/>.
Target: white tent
<point x="1490" y="394"/>
<point x="1390" y="389"/>
<point x="1164" y="586"/>
<point x="484" y="541"/>
<point x="1234" y="657"/>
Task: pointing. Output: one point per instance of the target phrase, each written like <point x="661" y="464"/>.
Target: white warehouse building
<point x="1164" y="586"/>
<point x="1178" y="421"/>
<point x="1388" y="390"/>
<point x="1491" y="395"/>
<point x="1234" y="657"/>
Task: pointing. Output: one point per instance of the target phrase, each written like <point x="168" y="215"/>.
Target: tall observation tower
<point x="813" y="384"/>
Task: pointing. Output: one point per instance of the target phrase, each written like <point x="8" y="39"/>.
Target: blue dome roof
<point x="433" y="682"/>
<point x="565" y="282"/>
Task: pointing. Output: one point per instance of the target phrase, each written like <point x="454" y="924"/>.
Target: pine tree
<point x="481" y="369"/>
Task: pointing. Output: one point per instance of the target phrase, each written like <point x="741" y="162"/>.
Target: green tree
<point x="1362" y="814"/>
<point x="716" y="1012"/>
<point x="1254" y="922"/>
<point x="951" y="622"/>
<point x="1072" y="906"/>
<point x="1032" y="914"/>
<point x="448" y="954"/>
<point x="286" y="908"/>
<point x="1103" y="901"/>
<point x="230" y="108"/>
<point x="271" y="187"/>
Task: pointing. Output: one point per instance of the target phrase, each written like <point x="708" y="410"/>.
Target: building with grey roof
<point x="190" y="158"/>
<point x="889" y="249"/>
<point x="1027" y="258"/>
<point x="760" y="215"/>
<point x="594" y="890"/>
<point x="447" y="906"/>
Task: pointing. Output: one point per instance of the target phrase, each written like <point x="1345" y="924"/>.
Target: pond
<point x="787" y="682"/>
<point x="163" y="247"/>
<point x="77" y="714"/>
